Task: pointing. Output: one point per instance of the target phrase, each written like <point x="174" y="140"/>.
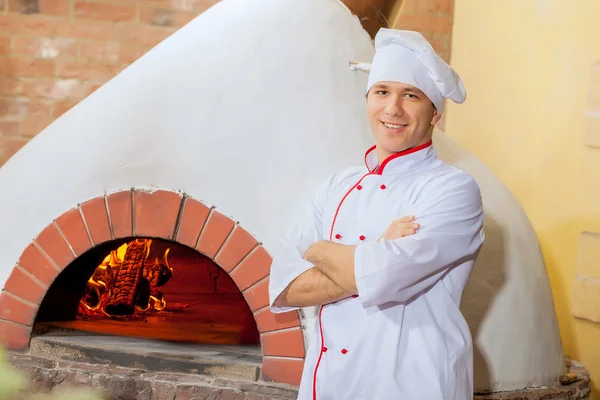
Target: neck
<point x="383" y="155"/>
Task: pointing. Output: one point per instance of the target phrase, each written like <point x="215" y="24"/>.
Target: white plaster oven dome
<point x="248" y="108"/>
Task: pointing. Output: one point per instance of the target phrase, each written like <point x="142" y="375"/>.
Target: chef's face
<point x="401" y="117"/>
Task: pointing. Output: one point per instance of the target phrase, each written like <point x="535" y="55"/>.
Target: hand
<point x="401" y="227"/>
<point x="313" y="253"/>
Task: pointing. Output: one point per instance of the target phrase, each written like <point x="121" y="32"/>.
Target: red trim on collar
<point x="379" y="169"/>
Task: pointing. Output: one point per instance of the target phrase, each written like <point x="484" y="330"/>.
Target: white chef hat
<point x="407" y="57"/>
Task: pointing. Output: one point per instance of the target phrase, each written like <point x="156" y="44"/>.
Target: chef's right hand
<point x="401" y="227"/>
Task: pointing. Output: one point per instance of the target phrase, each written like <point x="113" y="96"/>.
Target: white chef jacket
<point x="403" y="336"/>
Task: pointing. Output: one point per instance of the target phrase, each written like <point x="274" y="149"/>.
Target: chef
<point x="389" y="324"/>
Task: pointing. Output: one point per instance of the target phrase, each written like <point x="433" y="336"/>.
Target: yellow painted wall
<point x="526" y="66"/>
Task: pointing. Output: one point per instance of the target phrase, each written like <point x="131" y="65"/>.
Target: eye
<point x="382" y="92"/>
<point x="410" y="96"/>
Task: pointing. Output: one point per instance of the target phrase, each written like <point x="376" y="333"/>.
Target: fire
<point x="126" y="283"/>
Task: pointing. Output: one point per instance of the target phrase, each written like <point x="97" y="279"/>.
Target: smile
<point x="394" y="126"/>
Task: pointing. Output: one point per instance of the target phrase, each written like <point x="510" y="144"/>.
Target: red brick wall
<point x="433" y="18"/>
<point x="54" y="53"/>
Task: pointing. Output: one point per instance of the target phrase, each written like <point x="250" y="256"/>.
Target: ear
<point x="436" y="116"/>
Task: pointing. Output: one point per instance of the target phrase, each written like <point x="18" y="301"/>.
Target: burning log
<point x="127" y="282"/>
<point x="122" y="300"/>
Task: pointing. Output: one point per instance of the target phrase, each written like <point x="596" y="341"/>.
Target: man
<point x="389" y="324"/>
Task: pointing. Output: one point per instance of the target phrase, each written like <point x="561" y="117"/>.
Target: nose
<point x="394" y="108"/>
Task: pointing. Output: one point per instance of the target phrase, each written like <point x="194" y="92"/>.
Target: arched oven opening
<point x="148" y="288"/>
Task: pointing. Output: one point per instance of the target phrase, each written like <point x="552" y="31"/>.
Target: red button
<point x="382" y="187"/>
<point x="344" y="351"/>
<point x="362" y="237"/>
<point x="338" y="236"/>
<point x="324" y="349"/>
<point x="359" y="187"/>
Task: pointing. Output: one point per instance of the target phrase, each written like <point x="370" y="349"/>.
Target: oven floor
<point x="231" y="361"/>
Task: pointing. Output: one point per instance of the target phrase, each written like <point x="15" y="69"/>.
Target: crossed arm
<point x="332" y="277"/>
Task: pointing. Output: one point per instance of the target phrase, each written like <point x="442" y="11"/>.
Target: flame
<point x="151" y="275"/>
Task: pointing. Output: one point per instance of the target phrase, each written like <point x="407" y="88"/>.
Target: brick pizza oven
<point x="217" y="292"/>
<point x="140" y="224"/>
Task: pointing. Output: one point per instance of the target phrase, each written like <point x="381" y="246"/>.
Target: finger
<point x="406" y="219"/>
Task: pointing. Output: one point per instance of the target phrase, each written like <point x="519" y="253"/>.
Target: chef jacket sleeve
<point x="288" y="257"/>
<point x="451" y="219"/>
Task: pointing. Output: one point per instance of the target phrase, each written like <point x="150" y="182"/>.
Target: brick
<point x="44" y="47"/>
<point x="58" y="89"/>
<point x="62" y="106"/>
<point x="197" y="6"/>
<point x="591" y="135"/>
<point x="15" y="310"/>
<point x="14" y="337"/>
<point x="237" y="247"/>
<point x="72" y="227"/>
<point x="130" y="52"/>
<point x="55" y="246"/>
<point x="156" y="213"/>
<point x="33" y="125"/>
<point x="283" y="343"/>
<point x="267" y="321"/>
<point x="86" y="30"/>
<point x="34" y="262"/>
<point x="100" y="51"/>
<point x="193" y="218"/>
<point x="22" y="285"/>
<point x="38" y="115"/>
<point x="254" y="268"/>
<point x="142" y="34"/>
<point x="5" y="46"/>
<point x="104" y="11"/>
<point x="165" y="16"/>
<point x="9" y="128"/>
<point x="585" y="300"/>
<point x="11" y="145"/>
<point x="29" y="24"/>
<point x="94" y="213"/>
<point x="257" y="296"/>
<point x="119" y="208"/>
<point x="21" y="66"/>
<point x="214" y="234"/>
<point x="282" y="370"/>
<point x="593" y="96"/>
<point x="12" y="108"/>
<point x="10" y="86"/>
<point x="61" y="8"/>
<point x="87" y="70"/>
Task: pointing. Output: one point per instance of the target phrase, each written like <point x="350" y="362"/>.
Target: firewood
<point x="122" y="299"/>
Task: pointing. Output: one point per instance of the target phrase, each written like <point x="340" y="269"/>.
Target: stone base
<point x="161" y="371"/>
<point x="47" y="375"/>
<point x="578" y="388"/>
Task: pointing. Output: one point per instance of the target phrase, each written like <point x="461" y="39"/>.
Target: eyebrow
<point x="380" y="86"/>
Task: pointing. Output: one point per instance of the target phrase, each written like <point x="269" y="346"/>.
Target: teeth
<point x="393" y="126"/>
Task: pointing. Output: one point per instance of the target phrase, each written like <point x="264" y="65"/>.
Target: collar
<point x="403" y="161"/>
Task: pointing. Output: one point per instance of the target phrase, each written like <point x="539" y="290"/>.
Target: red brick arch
<point x="159" y="214"/>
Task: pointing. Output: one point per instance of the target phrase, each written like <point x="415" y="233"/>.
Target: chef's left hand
<point x="401" y="227"/>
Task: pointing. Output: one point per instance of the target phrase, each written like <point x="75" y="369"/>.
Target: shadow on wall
<point x="486" y="280"/>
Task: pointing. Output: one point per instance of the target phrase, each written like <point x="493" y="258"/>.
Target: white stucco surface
<point x="248" y="108"/>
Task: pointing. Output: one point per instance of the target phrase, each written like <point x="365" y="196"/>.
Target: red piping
<point x="320" y="355"/>
<point x="342" y="201"/>
<point x="379" y="172"/>
<point x="402" y="153"/>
